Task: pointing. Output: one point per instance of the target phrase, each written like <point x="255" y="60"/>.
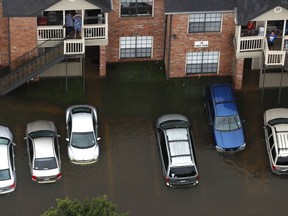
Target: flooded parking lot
<point x="129" y="171"/>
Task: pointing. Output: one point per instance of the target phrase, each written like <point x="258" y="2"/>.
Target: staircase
<point x="30" y="65"/>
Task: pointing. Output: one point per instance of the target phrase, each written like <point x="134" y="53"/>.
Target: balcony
<point x="257" y="47"/>
<point x="94" y="32"/>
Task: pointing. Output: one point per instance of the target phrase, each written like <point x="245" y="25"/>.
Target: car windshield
<point x="178" y="172"/>
<point x="278" y="121"/>
<point x="4" y="175"/>
<point x="3" y="141"/>
<point x="174" y="124"/>
<point x="42" y="133"/>
<point x="83" y="140"/>
<point x="282" y="161"/>
<point x="227" y="123"/>
<point x="45" y="163"/>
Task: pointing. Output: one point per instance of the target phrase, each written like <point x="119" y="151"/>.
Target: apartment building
<point x="193" y="38"/>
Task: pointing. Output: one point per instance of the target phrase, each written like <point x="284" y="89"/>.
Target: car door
<point x="163" y="151"/>
<point x="30" y="151"/>
<point x="209" y="106"/>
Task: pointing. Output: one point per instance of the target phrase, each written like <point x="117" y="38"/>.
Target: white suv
<point x="276" y="136"/>
<point x="177" y="150"/>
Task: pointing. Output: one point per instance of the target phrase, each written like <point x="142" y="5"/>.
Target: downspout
<point x="9" y="42"/>
<point x="169" y="48"/>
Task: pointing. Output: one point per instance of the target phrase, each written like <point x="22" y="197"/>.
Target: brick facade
<point x="184" y="42"/>
<point x="4" y="46"/>
<point x="23" y="35"/>
<point x="238" y="76"/>
<point x="136" y="26"/>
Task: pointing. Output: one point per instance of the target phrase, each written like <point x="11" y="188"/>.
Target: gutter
<point x="169" y="48"/>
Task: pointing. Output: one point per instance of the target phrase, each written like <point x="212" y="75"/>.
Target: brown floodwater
<point x="128" y="170"/>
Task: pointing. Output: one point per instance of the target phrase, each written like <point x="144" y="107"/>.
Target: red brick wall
<point x="4" y="46"/>
<point x="23" y="32"/>
<point x="136" y="26"/>
<point x="102" y="61"/>
<point x="184" y="43"/>
<point x="238" y="76"/>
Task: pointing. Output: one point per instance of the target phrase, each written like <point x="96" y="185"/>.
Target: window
<point x="136" y="8"/>
<point x="205" y="22"/>
<point x="202" y="62"/>
<point x="163" y="148"/>
<point x="136" y="47"/>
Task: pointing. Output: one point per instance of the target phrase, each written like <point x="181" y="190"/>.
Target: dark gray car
<point x="177" y="150"/>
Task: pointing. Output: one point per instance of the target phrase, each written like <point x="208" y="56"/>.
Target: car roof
<point x="44" y="147"/>
<point x="282" y="142"/>
<point x="226" y="109"/>
<point x="5" y="132"/>
<point x="40" y="125"/>
<point x="222" y="93"/>
<point x="170" y="117"/>
<point x="275" y="113"/>
<point x="82" y="122"/>
<point x="4" y="164"/>
<point x="179" y="146"/>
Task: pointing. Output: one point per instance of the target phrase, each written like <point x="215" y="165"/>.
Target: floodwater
<point x="128" y="170"/>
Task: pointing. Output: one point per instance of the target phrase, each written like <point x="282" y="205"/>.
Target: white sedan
<point x="7" y="163"/>
<point x="82" y="134"/>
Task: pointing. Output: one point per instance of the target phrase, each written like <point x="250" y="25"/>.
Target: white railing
<point x="273" y="57"/>
<point x="50" y="32"/>
<point x="251" y="43"/>
<point x="95" y="31"/>
<point x="74" y="46"/>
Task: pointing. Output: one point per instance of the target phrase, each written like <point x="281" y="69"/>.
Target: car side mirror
<point x="67" y="139"/>
<point x="14" y="144"/>
<point x="98" y="138"/>
<point x="243" y="121"/>
<point x="25" y="138"/>
<point x="58" y="135"/>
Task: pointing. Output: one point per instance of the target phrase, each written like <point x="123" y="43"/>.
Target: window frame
<point x="135" y="43"/>
<point x="149" y="14"/>
<point x="205" y="60"/>
<point x="205" y="22"/>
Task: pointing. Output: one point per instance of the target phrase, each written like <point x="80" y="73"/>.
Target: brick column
<point x="102" y="61"/>
<point x="238" y="76"/>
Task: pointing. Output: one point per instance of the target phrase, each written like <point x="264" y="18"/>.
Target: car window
<point x="30" y="149"/>
<point x="273" y="152"/>
<point x="278" y="121"/>
<point x="11" y="152"/>
<point x="174" y="124"/>
<point x="163" y="148"/>
<point x="182" y="171"/>
<point x="56" y="146"/>
<point x="4" y="175"/>
<point x="83" y="140"/>
<point x="271" y="140"/>
<point x="45" y="163"/>
<point x="227" y="123"/>
<point x="42" y="133"/>
<point x="282" y="161"/>
<point x="4" y="141"/>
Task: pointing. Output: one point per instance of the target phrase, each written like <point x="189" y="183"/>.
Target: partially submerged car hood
<point x="229" y="139"/>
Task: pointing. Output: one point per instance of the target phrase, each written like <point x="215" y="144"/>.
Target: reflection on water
<point x="128" y="169"/>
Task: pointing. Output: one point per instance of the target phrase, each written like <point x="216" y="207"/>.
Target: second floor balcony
<point x="93" y="30"/>
<point x="255" y="45"/>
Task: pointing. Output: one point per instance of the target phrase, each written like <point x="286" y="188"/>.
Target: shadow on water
<point x="129" y="100"/>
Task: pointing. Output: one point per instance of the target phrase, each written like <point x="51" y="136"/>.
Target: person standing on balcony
<point x="271" y="39"/>
<point x="251" y="28"/>
<point x="77" y="25"/>
<point x="69" y="25"/>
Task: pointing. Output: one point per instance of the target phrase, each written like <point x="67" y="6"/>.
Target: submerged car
<point x="276" y="136"/>
<point x="82" y="132"/>
<point x="7" y="162"/>
<point x="177" y="150"/>
<point x="223" y="117"/>
<point x="43" y="151"/>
